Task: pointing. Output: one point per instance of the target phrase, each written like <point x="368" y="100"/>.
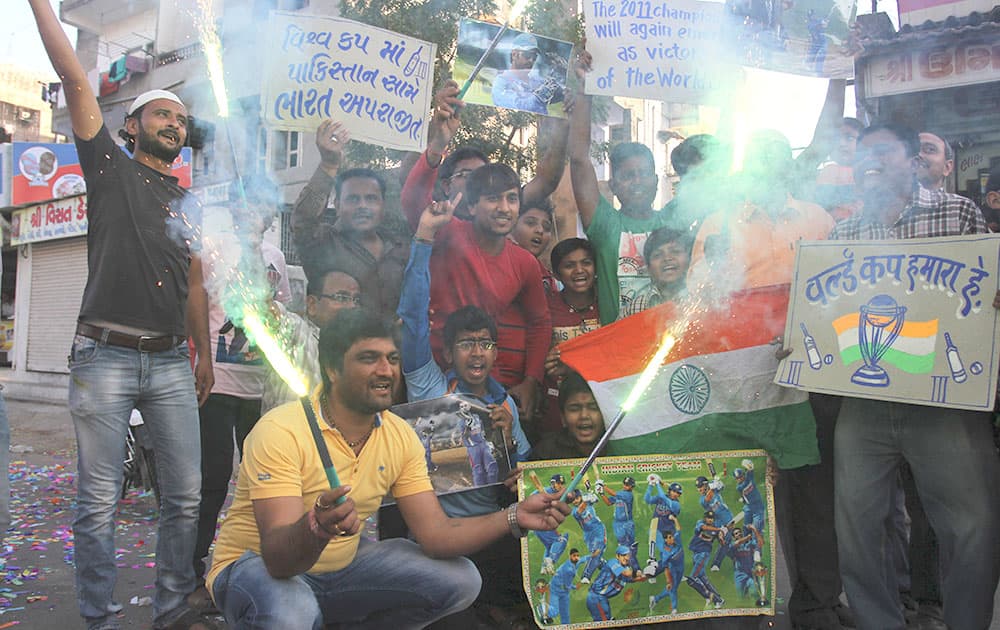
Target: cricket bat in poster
<point x="533" y="476"/>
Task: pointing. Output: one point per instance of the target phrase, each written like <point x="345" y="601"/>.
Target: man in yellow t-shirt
<point x="289" y="557"/>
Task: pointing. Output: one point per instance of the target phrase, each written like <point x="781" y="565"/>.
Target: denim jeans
<point x="955" y="468"/>
<point x="220" y="417"/>
<point x="106" y="383"/>
<point x="4" y="467"/>
<point x="390" y="584"/>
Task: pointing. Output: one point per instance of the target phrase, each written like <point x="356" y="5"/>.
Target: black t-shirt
<point x="142" y="231"/>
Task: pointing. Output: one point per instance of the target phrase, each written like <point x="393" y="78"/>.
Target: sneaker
<point x="114" y="607"/>
<point x="673" y="611"/>
<point x="585" y="580"/>
<point x="652" y="603"/>
<point x="715" y="567"/>
<point x="719" y="602"/>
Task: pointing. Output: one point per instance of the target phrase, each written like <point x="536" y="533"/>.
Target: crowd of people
<point x="473" y="293"/>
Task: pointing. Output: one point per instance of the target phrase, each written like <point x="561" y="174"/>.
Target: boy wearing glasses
<point x="474" y="263"/>
<point x="470" y="348"/>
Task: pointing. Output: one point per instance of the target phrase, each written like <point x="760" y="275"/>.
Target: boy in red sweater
<point x="474" y="263"/>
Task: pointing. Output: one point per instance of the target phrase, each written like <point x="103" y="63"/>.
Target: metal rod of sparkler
<point x="593" y="455"/>
<point x="645" y="378"/>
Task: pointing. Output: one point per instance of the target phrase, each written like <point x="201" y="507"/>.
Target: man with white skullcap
<point x="144" y="297"/>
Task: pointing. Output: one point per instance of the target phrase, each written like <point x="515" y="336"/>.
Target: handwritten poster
<point x="652" y="538"/>
<point x="666" y="51"/>
<point x="904" y="320"/>
<point x="377" y="82"/>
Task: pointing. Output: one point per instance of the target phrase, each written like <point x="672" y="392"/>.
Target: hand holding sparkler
<point x="334" y="514"/>
<point x="331" y="138"/>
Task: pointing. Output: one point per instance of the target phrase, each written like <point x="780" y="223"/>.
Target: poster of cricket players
<point x="652" y="538"/>
<point x="461" y="447"/>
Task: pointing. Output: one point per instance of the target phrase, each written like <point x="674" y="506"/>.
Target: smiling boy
<point x="475" y="264"/>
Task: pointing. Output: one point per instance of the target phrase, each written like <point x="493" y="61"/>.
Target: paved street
<point x="37" y="589"/>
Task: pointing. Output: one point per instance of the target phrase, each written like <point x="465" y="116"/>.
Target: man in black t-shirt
<point x="144" y="297"/>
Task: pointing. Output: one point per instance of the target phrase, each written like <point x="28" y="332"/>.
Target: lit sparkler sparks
<point x="648" y="374"/>
<point x="213" y="54"/>
<point x="266" y="343"/>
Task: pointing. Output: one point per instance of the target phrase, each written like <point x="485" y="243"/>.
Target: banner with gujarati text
<point x="377" y="82"/>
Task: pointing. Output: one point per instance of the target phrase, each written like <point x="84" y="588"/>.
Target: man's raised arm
<point x="84" y="111"/>
<point x="331" y="138"/>
<point x="581" y="170"/>
<point x="553" y="136"/>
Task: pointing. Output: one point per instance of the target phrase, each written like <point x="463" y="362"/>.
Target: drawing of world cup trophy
<point x="879" y="323"/>
<point x="760" y="579"/>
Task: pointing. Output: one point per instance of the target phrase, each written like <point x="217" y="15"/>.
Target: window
<point x="285" y="150"/>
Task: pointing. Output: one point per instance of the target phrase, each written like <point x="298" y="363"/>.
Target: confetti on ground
<point x="43" y="501"/>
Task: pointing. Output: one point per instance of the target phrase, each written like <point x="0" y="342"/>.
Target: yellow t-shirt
<point x="280" y="460"/>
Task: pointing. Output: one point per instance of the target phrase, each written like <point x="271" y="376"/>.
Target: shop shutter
<point x="58" y="276"/>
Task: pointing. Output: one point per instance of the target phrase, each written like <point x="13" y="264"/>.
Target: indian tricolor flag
<point x="715" y="390"/>
<point x="912" y="351"/>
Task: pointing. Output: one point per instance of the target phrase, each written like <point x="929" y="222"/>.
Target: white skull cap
<point x="152" y="95"/>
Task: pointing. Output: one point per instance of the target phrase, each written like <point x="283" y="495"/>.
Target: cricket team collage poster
<point x="651" y="539"/>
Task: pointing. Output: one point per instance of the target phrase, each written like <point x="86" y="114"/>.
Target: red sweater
<point x="418" y="191"/>
<point x="462" y="274"/>
<point x="567" y="323"/>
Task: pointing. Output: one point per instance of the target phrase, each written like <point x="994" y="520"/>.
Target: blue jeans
<point x="106" y="383"/>
<point x="4" y="467"/>
<point x="955" y="469"/>
<point x="390" y="584"/>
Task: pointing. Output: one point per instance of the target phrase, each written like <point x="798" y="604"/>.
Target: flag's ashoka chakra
<point x="689" y="389"/>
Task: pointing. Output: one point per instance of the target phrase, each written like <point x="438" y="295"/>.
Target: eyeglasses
<point x="462" y="174"/>
<point x="342" y="298"/>
<point x="466" y="345"/>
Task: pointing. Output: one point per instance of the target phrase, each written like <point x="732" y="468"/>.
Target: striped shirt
<point x="929" y="214"/>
